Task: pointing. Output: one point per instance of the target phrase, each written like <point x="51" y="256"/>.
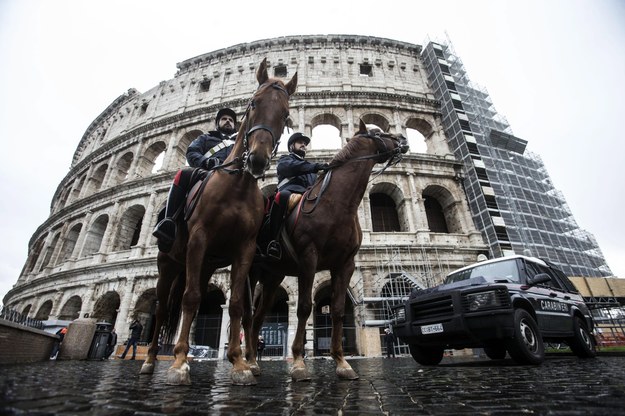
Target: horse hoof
<point x="347" y="374"/>
<point x="255" y="369"/>
<point x="300" y="374"/>
<point x="243" y="378"/>
<point x="147" y="368"/>
<point x="179" y="376"/>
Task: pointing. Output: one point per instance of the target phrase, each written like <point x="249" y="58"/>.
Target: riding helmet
<point x="297" y="136"/>
<point x="227" y="112"/>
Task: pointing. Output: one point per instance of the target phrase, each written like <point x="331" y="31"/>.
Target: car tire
<point x="526" y="346"/>
<point x="495" y="351"/>
<point x="426" y="355"/>
<point x="582" y="343"/>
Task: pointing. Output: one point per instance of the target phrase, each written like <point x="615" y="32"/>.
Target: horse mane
<point x="346" y="153"/>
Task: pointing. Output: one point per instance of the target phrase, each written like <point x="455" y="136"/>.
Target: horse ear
<point x="291" y="86"/>
<point x="362" y="128"/>
<point x="261" y="74"/>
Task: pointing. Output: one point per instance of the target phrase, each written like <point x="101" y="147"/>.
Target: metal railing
<point x="16" y="317"/>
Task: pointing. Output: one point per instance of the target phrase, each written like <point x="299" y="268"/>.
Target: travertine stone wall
<point x="97" y="244"/>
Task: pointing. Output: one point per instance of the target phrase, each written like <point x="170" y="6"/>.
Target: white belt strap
<point x="218" y="147"/>
<point x="284" y="182"/>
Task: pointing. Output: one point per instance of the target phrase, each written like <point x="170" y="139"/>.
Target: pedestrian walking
<point x="135" y="333"/>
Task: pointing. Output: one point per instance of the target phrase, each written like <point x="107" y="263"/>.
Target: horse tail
<point x="174" y="306"/>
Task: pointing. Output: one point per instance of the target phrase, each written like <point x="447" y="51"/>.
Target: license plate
<point x="431" y="329"/>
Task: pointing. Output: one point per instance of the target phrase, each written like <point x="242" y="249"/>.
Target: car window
<point x="554" y="280"/>
<point x="491" y="272"/>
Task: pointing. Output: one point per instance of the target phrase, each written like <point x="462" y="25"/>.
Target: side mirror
<point x="538" y="279"/>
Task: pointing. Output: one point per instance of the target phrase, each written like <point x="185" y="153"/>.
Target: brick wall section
<point x="20" y="344"/>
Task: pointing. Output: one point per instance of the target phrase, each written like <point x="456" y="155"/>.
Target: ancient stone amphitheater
<point x="95" y="257"/>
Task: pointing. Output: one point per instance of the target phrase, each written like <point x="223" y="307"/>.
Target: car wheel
<point x="495" y="351"/>
<point x="526" y="346"/>
<point x="582" y="344"/>
<point x="426" y="355"/>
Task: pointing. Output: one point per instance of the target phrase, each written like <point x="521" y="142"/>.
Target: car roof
<point x="497" y="260"/>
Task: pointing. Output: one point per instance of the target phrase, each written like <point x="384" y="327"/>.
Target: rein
<point x="393" y="160"/>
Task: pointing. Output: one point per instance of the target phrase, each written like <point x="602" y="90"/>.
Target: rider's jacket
<point x="295" y="174"/>
<point x="214" y="144"/>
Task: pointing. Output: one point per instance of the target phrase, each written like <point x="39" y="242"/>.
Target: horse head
<point x="265" y="118"/>
<point x="389" y="147"/>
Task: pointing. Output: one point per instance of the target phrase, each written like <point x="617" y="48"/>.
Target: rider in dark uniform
<point x="205" y="152"/>
<point x="295" y="175"/>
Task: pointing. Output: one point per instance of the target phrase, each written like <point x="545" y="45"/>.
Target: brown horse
<point x="222" y="230"/>
<point x="323" y="234"/>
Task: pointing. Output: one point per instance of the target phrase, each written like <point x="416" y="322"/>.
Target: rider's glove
<point x="210" y="163"/>
<point x="321" y="166"/>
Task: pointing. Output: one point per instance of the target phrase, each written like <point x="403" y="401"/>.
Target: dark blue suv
<point x="511" y="304"/>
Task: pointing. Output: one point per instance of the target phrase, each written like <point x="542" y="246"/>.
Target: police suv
<point x="511" y="304"/>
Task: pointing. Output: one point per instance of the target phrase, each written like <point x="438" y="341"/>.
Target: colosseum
<point x="95" y="256"/>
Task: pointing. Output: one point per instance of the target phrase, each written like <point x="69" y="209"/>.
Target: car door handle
<point x="553" y="295"/>
<point x="567" y="297"/>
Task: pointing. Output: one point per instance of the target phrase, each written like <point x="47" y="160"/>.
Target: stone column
<point x="225" y="328"/>
<point x="124" y="315"/>
<point x="133" y="170"/>
<point x="82" y="236"/>
<point x="147" y="225"/>
<point x="170" y="153"/>
<point x="110" y="229"/>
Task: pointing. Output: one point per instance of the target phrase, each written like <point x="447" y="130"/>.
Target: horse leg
<point x="241" y="373"/>
<point x="179" y="372"/>
<point x="168" y="270"/>
<point x="340" y="282"/>
<point x="246" y="323"/>
<point x="299" y="372"/>
<point x="264" y="303"/>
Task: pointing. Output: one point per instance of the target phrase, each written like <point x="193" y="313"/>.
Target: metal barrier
<point x="16" y="317"/>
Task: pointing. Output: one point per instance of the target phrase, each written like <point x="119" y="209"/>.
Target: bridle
<point x="251" y="106"/>
<point x="391" y="156"/>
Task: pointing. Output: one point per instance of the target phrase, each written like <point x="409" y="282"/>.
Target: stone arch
<point x="94" y="184"/>
<point x="69" y="243"/>
<point x="34" y="254"/>
<point x="148" y="159"/>
<point x="106" y="307"/>
<point x="323" y="322"/>
<point x="71" y="309"/>
<point x="388" y="210"/>
<point x="50" y="250"/>
<point x="418" y="131"/>
<point x="94" y="236"/>
<point x="209" y="317"/>
<point x="43" y="313"/>
<point x="26" y="310"/>
<point x="64" y="197"/>
<point x="77" y="188"/>
<point x="441" y="209"/>
<point x="129" y="228"/>
<point x="376" y="119"/>
<point x="326" y="132"/>
<point x="179" y="157"/>
<point x="122" y="168"/>
<point x="145" y="312"/>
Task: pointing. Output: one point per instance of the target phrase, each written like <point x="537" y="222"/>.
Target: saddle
<point x="199" y="179"/>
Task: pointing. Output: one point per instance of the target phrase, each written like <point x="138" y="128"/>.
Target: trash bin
<point x="97" y="351"/>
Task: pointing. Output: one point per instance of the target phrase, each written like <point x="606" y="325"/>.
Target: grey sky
<point x="553" y="69"/>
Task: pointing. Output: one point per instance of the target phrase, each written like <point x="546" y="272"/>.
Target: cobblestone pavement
<point x="563" y="385"/>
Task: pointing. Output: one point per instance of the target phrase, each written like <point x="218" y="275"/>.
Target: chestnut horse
<point x="222" y="230"/>
<point x="323" y="234"/>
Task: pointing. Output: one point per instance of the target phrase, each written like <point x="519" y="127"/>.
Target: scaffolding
<point x="510" y="194"/>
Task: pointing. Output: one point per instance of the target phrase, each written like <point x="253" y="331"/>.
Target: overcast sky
<point x="554" y="69"/>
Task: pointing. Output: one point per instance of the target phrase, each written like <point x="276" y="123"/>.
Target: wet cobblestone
<point x="561" y="386"/>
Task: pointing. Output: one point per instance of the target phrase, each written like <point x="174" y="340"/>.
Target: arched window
<point x="71" y="309"/>
<point x="416" y="141"/>
<point x="95" y="235"/>
<point x="123" y="168"/>
<point x="326" y="132"/>
<point x="69" y="243"/>
<point x="435" y="215"/>
<point x="96" y="180"/>
<point x="149" y="158"/>
<point x="50" y="251"/>
<point x="44" y="311"/>
<point x="384" y="216"/>
<point x="130" y="228"/>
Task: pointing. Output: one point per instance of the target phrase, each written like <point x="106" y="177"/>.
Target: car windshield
<point x="501" y="271"/>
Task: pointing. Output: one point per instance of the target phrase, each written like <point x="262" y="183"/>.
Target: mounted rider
<point x="295" y="175"/>
<point x="205" y="152"/>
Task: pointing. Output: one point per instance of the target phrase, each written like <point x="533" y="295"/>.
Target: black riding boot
<point x="276" y="217"/>
<point x="165" y="230"/>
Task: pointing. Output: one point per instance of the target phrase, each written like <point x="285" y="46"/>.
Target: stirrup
<point x="274" y="250"/>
